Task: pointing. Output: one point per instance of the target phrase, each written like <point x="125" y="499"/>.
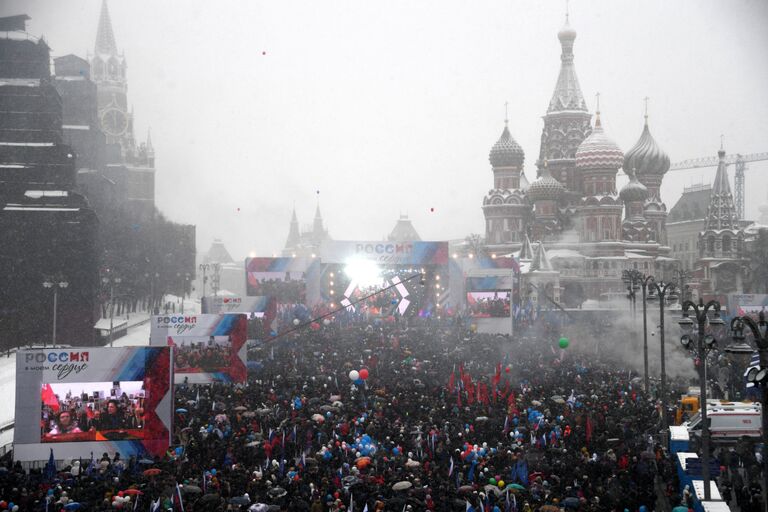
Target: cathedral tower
<point x="567" y="121"/>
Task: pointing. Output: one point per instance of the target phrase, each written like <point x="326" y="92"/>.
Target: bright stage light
<point x="363" y="272"/>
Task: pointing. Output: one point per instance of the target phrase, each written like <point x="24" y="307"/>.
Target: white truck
<point x="728" y="422"/>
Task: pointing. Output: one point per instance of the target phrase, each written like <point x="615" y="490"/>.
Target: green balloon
<point x="492" y="481"/>
<point x="564" y="342"/>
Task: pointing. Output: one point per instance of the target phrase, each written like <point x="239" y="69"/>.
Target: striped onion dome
<point x="598" y="151"/>
<point x="646" y="155"/>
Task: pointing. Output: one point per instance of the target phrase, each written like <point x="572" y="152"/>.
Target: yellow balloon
<point x="501" y="483"/>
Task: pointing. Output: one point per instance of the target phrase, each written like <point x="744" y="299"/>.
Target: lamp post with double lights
<point x="184" y="282"/>
<point x="635" y="281"/>
<point x="700" y="344"/>
<point x="660" y="291"/>
<point x="111" y="281"/>
<point x="756" y="376"/>
<point x="54" y="283"/>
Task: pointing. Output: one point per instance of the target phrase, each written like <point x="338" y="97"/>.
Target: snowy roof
<point x="29" y="82"/>
<point x="76" y="127"/>
<point x="564" y="253"/>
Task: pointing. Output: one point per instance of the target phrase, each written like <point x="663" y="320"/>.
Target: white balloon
<point x="354" y="375"/>
<point x="296" y="321"/>
<point x="326" y="322"/>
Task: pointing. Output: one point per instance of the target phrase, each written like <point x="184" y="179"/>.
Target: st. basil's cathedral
<point x="585" y="232"/>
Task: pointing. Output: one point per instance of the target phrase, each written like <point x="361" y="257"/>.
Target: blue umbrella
<point x="182" y="411"/>
<point x="72" y="506"/>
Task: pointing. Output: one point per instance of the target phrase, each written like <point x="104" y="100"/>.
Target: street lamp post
<point x="704" y="344"/>
<point x="111" y="281"/>
<point x="184" y="281"/>
<point x="756" y="376"/>
<point x="204" y="267"/>
<point x="55" y="284"/>
<point x="635" y="281"/>
<point x="659" y="291"/>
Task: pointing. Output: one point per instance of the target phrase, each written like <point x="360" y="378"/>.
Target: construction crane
<point x="741" y="165"/>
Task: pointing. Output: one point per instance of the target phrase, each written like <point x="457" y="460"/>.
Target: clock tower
<point x="108" y="71"/>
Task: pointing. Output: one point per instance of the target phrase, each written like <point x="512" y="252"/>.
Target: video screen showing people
<point x="92" y="411"/>
<point x="202" y="355"/>
<point x="285" y="287"/>
<point x="488" y="304"/>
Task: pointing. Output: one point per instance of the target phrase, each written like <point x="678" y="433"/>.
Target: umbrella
<point x="402" y="485"/>
<point x="277" y="492"/>
<point x="466" y="488"/>
<point x="132" y="492"/>
<point x="412" y="463"/>
<point x="190" y="402"/>
<point x="249" y="414"/>
<point x="258" y="507"/>
<point x="239" y="500"/>
<point x="146" y="461"/>
<point x="221" y="418"/>
<point x="318" y="418"/>
<point x="559" y="401"/>
<point x="181" y="410"/>
<point x="363" y="462"/>
<point x="263" y="412"/>
<point x="152" y="472"/>
<point x="492" y="489"/>
<point x="72" y="506"/>
<point x="571" y="502"/>
<point x="240" y="408"/>
<point x="191" y="489"/>
<point x="516" y="487"/>
<point x="330" y="408"/>
<point x="350" y="480"/>
<point x="209" y="498"/>
<point x="253" y="444"/>
<point x="535" y="403"/>
<point x="480" y="419"/>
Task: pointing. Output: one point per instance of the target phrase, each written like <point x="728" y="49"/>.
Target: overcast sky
<point x="382" y="108"/>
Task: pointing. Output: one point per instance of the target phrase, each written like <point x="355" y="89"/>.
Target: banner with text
<point x="209" y="348"/>
<point x="93" y="400"/>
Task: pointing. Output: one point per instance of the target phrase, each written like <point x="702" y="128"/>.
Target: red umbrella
<point x="134" y="492"/>
<point x="152" y="471"/>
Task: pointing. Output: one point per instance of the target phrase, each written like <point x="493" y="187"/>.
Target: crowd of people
<point x="283" y="290"/>
<point x="494" y="307"/>
<point x="202" y="356"/>
<point x="440" y="420"/>
<point x="73" y="415"/>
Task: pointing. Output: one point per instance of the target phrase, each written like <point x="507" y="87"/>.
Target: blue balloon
<point x="395" y="451"/>
<point x="359" y="382"/>
<point x="394" y="301"/>
<point x="213" y="472"/>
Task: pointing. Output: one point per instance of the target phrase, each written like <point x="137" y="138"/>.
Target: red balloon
<point x="364" y="373"/>
<point x="507" y="369"/>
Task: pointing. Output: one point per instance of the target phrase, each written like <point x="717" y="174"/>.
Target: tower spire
<point x="646" y="109"/>
<point x="506" y="113"/>
<point x="721" y="213"/>
<point x="597" y="110"/>
<point x="105" y="36"/>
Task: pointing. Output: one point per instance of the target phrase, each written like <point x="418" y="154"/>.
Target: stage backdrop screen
<point x="209" y="348"/>
<point x="93" y="400"/>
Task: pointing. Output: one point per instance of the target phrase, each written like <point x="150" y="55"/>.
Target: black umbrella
<point x="210" y="498"/>
<point x="239" y="500"/>
<point x="277" y="492"/>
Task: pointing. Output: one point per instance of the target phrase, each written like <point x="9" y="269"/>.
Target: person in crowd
<point x="65" y="424"/>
